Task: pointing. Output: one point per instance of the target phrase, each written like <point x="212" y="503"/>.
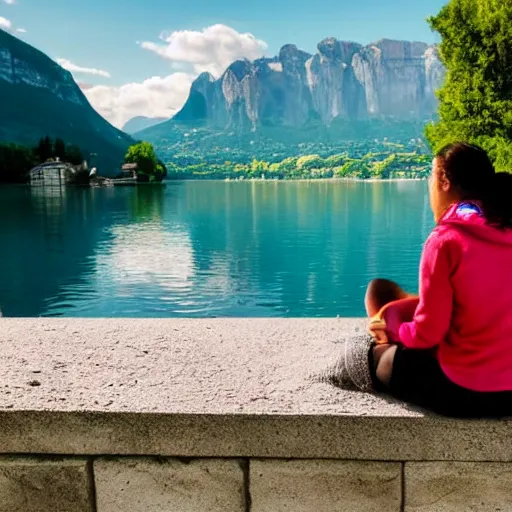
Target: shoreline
<point x="251" y="180"/>
<point x="309" y="180"/>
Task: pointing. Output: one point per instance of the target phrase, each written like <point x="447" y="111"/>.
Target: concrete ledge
<point x="209" y="388"/>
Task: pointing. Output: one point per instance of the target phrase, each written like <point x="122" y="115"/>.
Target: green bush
<point x="476" y="99"/>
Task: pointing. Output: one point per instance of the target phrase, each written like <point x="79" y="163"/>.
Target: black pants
<point x="417" y="378"/>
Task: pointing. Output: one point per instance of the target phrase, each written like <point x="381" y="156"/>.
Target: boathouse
<point x="50" y="174"/>
<point x="129" y="171"/>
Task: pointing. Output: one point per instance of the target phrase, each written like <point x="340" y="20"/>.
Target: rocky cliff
<point x="40" y="98"/>
<point x="342" y="81"/>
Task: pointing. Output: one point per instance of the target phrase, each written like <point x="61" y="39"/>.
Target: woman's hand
<point x="377" y="329"/>
<point x="384" y="327"/>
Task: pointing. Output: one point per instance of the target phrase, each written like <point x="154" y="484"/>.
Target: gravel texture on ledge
<point x="210" y="388"/>
<point x="217" y="366"/>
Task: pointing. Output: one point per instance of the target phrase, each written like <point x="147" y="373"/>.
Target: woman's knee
<point x="379" y="293"/>
<point x="372" y="297"/>
<point x="384" y="368"/>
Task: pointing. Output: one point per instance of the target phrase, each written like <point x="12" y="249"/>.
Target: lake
<point x="208" y="249"/>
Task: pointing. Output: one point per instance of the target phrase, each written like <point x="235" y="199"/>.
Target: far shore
<point x="259" y="180"/>
<point x="309" y="180"/>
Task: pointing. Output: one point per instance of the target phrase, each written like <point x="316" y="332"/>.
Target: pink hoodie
<point x="465" y="306"/>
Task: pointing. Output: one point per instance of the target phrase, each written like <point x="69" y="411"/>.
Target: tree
<point x="275" y="169"/>
<point x="15" y="163"/>
<point x="336" y="160"/>
<point x="44" y="149"/>
<point x="309" y="162"/>
<point x="148" y="166"/>
<point x="161" y="169"/>
<point x="383" y="169"/>
<point x="59" y="149"/>
<point x="73" y="155"/>
<point x="289" y="164"/>
<point x="348" y="169"/>
<point x="259" y="166"/>
<point x="476" y="99"/>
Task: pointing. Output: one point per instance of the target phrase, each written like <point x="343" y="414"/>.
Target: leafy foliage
<point x="149" y="168"/>
<point x="383" y="164"/>
<point x="193" y="143"/>
<point x="476" y="100"/>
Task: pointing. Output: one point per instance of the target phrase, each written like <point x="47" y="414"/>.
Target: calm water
<point x="204" y="249"/>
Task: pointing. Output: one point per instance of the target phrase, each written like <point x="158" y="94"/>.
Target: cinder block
<point x="456" y="486"/>
<point x="148" y="485"/>
<point x="325" y="486"/>
<point x="31" y="485"/>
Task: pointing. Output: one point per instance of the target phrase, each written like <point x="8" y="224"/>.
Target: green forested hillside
<point x="39" y="98"/>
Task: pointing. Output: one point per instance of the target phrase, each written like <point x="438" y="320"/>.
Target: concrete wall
<point x="222" y="415"/>
<point x="271" y="485"/>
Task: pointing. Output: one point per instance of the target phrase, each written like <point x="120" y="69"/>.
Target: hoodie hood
<point x="468" y="217"/>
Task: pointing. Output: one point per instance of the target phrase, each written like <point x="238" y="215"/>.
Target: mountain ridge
<point x="346" y="91"/>
<point x="139" y="123"/>
<point x="41" y="98"/>
<point x="343" y="80"/>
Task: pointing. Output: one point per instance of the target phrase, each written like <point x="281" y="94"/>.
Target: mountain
<point x="345" y="90"/>
<point x="139" y="123"/>
<point x="38" y="98"/>
<point x="343" y="80"/>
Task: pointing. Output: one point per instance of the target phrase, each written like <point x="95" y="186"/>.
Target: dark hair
<point x="472" y="174"/>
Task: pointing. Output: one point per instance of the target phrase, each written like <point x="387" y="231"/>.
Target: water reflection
<point x="207" y="248"/>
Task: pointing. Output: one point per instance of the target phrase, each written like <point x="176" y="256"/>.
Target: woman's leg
<point x="383" y="356"/>
<point x="381" y="292"/>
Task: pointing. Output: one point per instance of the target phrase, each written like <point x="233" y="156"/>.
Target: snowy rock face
<point x="343" y="80"/>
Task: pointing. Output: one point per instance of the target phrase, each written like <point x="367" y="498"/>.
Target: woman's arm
<point x="433" y="315"/>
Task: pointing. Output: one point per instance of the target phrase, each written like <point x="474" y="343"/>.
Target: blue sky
<point x="105" y="35"/>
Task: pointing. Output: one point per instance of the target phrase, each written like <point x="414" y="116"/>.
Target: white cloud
<point x="66" y="64"/>
<point x="5" y="24"/>
<point x="213" y="49"/>
<point x="9" y="2"/>
<point x="155" y="97"/>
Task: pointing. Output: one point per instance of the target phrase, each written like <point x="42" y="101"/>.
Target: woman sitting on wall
<point x="450" y="349"/>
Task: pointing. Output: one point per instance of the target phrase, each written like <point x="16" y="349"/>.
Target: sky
<point x="139" y="57"/>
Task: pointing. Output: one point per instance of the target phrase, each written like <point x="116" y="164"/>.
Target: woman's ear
<point x="444" y="182"/>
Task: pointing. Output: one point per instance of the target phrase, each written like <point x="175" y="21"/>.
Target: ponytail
<point x="471" y="173"/>
<point x="497" y="202"/>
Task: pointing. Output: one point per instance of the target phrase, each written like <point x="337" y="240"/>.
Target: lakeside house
<point x="129" y="171"/>
<point x="127" y="176"/>
<point x="55" y="173"/>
